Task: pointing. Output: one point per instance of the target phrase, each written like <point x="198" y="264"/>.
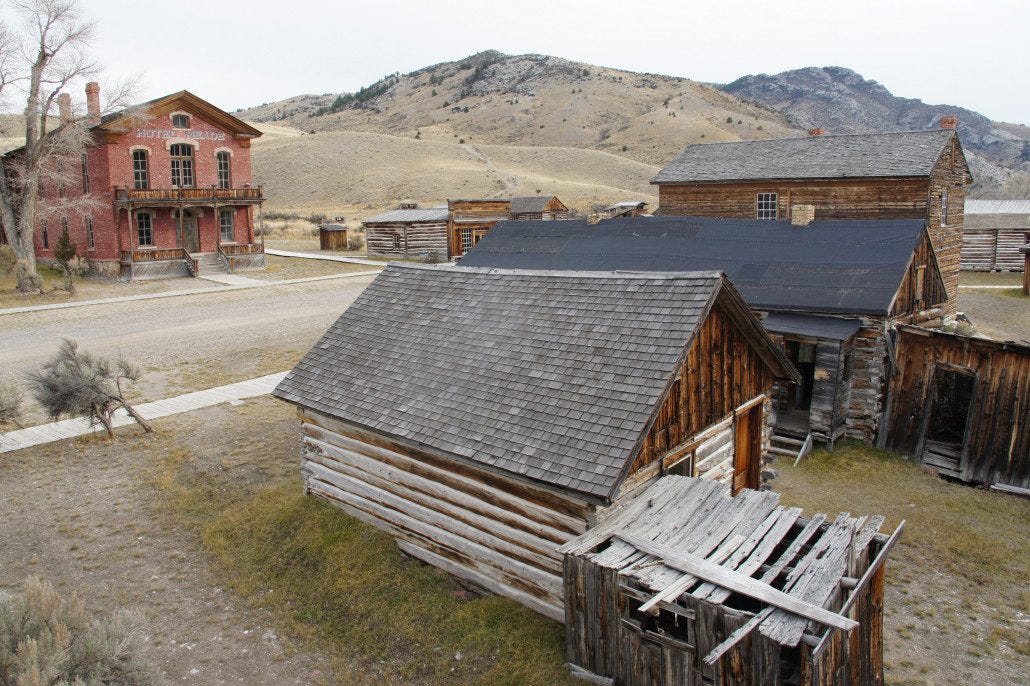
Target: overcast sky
<point x="237" y="54"/>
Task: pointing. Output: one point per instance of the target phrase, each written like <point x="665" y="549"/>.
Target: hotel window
<point x="944" y="208"/>
<point x="766" y="206"/>
<point x="85" y="174"/>
<point x="90" y="240"/>
<point x="226" y="223"/>
<point x="182" y="165"/>
<point x="140" y="170"/>
<point x="180" y="121"/>
<point x="46" y="237"/>
<point x="224" y="160"/>
<point x="145" y="228"/>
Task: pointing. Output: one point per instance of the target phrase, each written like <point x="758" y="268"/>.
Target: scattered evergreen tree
<point x="49" y="639"/>
<point x="64" y="253"/>
<point x="75" y="382"/>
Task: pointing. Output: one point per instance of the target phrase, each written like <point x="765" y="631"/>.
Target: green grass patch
<point x="345" y="587"/>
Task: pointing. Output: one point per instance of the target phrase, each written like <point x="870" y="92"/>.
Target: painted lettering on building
<point x="180" y="133"/>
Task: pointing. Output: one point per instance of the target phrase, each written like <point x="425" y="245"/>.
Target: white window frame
<point x="183" y="166"/>
<point x="149" y="229"/>
<point x="766" y="203"/>
<point x="141" y="169"/>
<point x="231" y="225"/>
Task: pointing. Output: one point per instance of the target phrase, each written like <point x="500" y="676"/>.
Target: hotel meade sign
<point x="180" y="133"/>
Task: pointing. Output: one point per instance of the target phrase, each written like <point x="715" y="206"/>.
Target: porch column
<point x="217" y="221"/>
<point x="261" y="222"/>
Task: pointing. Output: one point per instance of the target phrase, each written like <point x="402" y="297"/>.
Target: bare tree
<point x="45" y="59"/>
<point x="77" y="382"/>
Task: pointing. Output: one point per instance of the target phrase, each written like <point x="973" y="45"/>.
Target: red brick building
<point x="174" y="181"/>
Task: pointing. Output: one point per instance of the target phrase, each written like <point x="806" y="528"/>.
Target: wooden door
<point x="190" y="236"/>
<point x="747" y="449"/>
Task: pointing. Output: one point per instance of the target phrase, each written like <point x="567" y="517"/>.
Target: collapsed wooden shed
<point x="961" y="405"/>
<point x="690" y="586"/>
<point x="484" y="417"/>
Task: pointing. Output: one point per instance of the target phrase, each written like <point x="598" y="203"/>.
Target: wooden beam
<point x="735" y="581"/>
<point x="736" y="637"/>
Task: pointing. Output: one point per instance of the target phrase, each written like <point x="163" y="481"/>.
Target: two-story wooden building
<point x="905" y="175"/>
<point x="470" y="220"/>
<point x="173" y="179"/>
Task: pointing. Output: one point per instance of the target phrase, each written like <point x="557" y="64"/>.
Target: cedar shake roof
<point x="427" y="214"/>
<point x="553" y="377"/>
<point x="530" y="203"/>
<point x="835" y="266"/>
<point x="872" y="155"/>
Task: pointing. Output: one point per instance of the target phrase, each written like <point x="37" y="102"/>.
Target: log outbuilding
<point x="408" y="233"/>
<point x="485" y="417"/>
<point x="688" y="586"/>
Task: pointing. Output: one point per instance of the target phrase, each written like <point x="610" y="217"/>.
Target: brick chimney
<point x="816" y="132"/>
<point x="949" y="122"/>
<point x="64" y="105"/>
<point x="93" y="103"/>
<point x="802" y="215"/>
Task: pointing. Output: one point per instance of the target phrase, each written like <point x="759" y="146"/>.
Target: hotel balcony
<point x="174" y="196"/>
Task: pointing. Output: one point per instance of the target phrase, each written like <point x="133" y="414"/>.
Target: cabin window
<point x="224" y="169"/>
<point x="140" y="170"/>
<point x="180" y="121"/>
<point x="918" y="295"/>
<point x="145" y="228"/>
<point x="182" y="165"/>
<point x="46" y="236"/>
<point x="767" y="205"/>
<point x="944" y="207"/>
<point x="85" y="174"/>
<point x="90" y="239"/>
<point x="227" y="225"/>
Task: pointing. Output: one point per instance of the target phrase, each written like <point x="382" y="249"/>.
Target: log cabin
<point x="905" y="175"/>
<point x="827" y="291"/>
<point x="173" y="180"/>
<point x="961" y="405"/>
<point x="993" y="232"/>
<point x="626" y="209"/>
<point x="470" y="220"/>
<point x="485" y="417"/>
<point x="689" y="587"/>
<point x="409" y="233"/>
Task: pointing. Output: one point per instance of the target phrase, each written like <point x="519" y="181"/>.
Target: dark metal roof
<point x="871" y="155"/>
<point x="550" y="376"/>
<point x="833" y="328"/>
<point x="837" y="266"/>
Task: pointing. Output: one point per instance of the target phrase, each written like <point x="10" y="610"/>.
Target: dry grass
<point x="956" y="580"/>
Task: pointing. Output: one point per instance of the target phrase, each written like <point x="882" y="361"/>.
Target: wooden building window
<point x="91" y="242"/>
<point x="227" y="225"/>
<point x="85" y="174"/>
<point x="944" y="207"/>
<point x="46" y="236"/>
<point x="180" y="121"/>
<point x="145" y="228"/>
<point x="767" y="206"/>
<point x="140" y="170"/>
<point x="224" y="161"/>
<point x="182" y="165"/>
<point x="918" y="295"/>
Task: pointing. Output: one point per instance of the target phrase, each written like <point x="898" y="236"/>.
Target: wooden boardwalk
<point x="328" y="258"/>
<point x="70" y="428"/>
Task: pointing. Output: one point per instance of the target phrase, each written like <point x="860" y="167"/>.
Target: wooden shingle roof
<point x="552" y="377"/>
<point x="872" y="155"/>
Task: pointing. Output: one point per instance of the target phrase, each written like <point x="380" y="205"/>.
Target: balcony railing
<point x="174" y="195"/>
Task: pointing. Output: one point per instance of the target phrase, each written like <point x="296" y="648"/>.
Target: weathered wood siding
<point x="721" y="372"/>
<point x="408" y="240"/>
<point x="949" y="174"/>
<point x="922" y="287"/>
<point x="832" y="199"/>
<point x="989" y="249"/>
<point x="332" y="240"/>
<point x="477" y="215"/>
<point x="997" y="442"/>
<point x="867" y="370"/>
<point x="484" y="527"/>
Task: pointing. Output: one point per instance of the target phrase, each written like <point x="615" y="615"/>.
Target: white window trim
<point x="134" y="148"/>
<point x="776" y="205"/>
<point x="222" y="149"/>
<point x="169" y="142"/>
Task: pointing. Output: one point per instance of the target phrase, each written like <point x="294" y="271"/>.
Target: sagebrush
<point x="47" y="639"/>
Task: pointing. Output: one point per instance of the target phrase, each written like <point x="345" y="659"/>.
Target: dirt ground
<point x="92" y="288"/>
<point x="88" y="516"/>
<point x="283" y="268"/>
<point x="186" y="343"/>
<point x="1003" y="314"/>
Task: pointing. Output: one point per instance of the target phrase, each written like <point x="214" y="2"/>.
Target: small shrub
<point x="11" y="399"/>
<point x="729" y="120"/>
<point x="434" y="92"/>
<point x="740" y="121"/>
<point x="461" y="141"/>
<point x="355" y="241"/>
<point x="317" y="218"/>
<point x="446" y="103"/>
<point x="50" y="639"/>
<point x="625" y="148"/>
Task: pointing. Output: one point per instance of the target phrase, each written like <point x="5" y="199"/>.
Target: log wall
<point x="987" y="249"/>
<point x="996" y="448"/>
<point x="407" y="240"/>
<point x="949" y="174"/>
<point x="486" y="528"/>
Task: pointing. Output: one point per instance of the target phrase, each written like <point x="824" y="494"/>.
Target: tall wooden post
<point x="261" y="220"/>
<point x="1026" y="268"/>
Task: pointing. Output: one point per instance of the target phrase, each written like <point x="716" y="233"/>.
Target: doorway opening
<point x="796" y="399"/>
<point x="190" y="236"/>
<point x="944" y="437"/>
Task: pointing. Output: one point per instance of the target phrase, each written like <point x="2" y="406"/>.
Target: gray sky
<point x="236" y="54"/>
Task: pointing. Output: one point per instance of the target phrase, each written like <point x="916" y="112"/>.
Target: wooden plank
<point x="737" y="582"/>
<point x="736" y="637"/>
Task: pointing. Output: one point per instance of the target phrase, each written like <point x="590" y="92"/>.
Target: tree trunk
<point x="69" y="283"/>
<point x="28" y="277"/>
<point x="136" y="416"/>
